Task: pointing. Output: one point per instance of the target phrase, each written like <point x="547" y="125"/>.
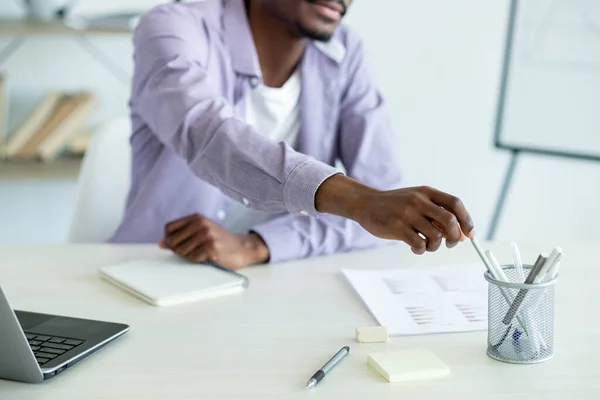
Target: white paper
<point x="411" y="301"/>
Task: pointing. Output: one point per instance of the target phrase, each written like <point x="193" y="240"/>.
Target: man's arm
<point x="369" y="154"/>
<point x="173" y="96"/>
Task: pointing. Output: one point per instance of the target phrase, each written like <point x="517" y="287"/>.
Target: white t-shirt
<point x="275" y="113"/>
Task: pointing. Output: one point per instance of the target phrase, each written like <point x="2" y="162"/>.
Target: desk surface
<point x="266" y="342"/>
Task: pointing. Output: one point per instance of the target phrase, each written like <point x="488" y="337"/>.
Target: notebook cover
<point x="170" y="281"/>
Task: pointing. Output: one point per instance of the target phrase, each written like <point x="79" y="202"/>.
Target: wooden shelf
<point x="23" y="27"/>
<point x="65" y="169"/>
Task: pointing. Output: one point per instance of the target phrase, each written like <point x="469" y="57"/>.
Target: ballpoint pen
<point x="320" y="374"/>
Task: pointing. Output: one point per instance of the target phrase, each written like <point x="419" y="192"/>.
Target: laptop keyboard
<point x="46" y="348"/>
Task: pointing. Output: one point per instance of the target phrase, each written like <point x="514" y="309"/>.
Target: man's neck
<point x="279" y="50"/>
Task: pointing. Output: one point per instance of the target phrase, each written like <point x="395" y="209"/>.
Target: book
<point x="170" y="280"/>
<point x="36" y="120"/>
<point x="79" y="144"/>
<point x="84" y="104"/>
<point x="28" y="150"/>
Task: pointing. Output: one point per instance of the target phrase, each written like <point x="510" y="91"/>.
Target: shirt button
<point x="221" y="215"/>
<point x="254" y="81"/>
<point x="246" y="201"/>
<point x="303" y="213"/>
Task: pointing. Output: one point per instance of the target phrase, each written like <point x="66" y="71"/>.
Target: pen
<point x="520" y="275"/>
<point x="533" y="274"/>
<point x="320" y="374"/>
<point x="517" y="302"/>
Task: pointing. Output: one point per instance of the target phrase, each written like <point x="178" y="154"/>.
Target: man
<point x="240" y="110"/>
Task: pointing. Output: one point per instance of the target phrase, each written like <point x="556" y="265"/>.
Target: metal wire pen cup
<point x="520" y="319"/>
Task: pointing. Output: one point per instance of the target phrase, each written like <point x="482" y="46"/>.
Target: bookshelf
<point x="17" y="32"/>
<point x="24" y="28"/>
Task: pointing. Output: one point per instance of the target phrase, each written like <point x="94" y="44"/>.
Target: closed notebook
<point x="168" y="281"/>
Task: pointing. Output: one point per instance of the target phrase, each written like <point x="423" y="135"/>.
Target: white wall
<point x="438" y="64"/>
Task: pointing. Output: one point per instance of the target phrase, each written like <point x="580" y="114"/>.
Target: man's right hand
<point x="401" y="214"/>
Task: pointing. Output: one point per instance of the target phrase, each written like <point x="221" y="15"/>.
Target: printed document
<point x="411" y="301"/>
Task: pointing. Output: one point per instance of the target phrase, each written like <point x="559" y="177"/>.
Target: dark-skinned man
<point x="240" y="110"/>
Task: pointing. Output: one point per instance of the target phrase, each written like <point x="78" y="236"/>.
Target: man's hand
<point x="403" y="214"/>
<point x="198" y="239"/>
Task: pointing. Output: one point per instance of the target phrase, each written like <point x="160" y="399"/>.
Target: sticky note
<point x="371" y="334"/>
<point x="408" y="365"/>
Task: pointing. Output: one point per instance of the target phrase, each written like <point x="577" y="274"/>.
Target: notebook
<point x="170" y="280"/>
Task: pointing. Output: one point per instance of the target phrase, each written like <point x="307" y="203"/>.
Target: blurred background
<point x="464" y="113"/>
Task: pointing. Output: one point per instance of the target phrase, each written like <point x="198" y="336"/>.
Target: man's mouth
<point x="336" y="5"/>
<point x="331" y="9"/>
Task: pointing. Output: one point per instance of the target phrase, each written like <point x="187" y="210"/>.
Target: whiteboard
<point x="552" y="86"/>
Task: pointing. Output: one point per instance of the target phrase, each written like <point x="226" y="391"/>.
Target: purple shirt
<point x="193" y="153"/>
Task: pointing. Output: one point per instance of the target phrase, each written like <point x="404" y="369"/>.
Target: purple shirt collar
<point x="238" y="37"/>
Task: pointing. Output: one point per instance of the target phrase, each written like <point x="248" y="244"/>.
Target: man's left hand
<point x="198" y="239"/>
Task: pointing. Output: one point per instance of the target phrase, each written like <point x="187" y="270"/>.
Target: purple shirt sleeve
<point x="176" y="101"/>
<point x="368" y="152"/>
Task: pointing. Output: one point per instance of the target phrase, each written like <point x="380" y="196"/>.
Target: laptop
<point x="36" y="347"/>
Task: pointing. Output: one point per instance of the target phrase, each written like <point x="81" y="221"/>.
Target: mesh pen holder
<point x="520" y="319"/>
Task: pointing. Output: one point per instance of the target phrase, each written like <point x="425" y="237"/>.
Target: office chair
<point x="103" y="184"/>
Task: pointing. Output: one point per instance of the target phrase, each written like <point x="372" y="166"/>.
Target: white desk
<point x="265" y="343"/>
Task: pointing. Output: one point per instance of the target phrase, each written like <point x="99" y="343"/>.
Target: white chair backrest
<point x="103" y="184"/>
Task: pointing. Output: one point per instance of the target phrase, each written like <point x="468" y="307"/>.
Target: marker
<point x="520" y="275"/>
<point x="335" y="360"/>
<point x="481" y="253"/>
<point x="552" y="258"/>
<point x="499" y="272"/>
<point x="553" y="270"/>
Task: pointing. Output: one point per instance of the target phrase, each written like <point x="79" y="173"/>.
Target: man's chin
<point x="315" y="34"/>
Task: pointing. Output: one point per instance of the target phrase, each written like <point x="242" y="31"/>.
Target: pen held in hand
<point x="482" y="255"/>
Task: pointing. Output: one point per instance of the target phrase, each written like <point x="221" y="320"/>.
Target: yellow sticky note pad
<point x="408" y="365"/>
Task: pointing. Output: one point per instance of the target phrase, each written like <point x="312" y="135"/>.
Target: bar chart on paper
<point x="412" y="301"/>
